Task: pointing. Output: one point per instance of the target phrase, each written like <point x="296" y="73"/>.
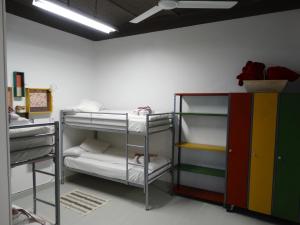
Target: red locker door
<point x="239" y="134"/>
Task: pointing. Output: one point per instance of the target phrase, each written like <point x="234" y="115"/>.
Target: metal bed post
<point x="57" y="176"/>
<point x="146" y="160"/>
<point x="61" y="150"/>
<point x="34" y="187"/>
<point x="127" y="172"/>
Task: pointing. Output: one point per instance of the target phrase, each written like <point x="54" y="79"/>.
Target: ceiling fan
<point x="173" y="4"/>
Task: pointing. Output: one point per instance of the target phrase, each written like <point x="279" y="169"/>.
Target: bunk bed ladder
<point x="56" y="161"/>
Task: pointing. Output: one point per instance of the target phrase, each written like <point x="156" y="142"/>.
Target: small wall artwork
<point x="19" y="84"/>
<point x="38" y="100"/>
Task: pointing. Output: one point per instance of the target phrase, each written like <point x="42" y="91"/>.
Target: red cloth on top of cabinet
<point x="252" y="71"/>
<point x="281" y="73"/>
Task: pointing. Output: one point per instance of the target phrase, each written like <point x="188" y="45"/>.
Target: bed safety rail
<point x="54" y="155"/>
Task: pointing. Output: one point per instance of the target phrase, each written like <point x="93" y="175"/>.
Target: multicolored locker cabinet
<point x="239" y="132"/>
<point x="286" y="190"/>
<point x="263" y="152"/>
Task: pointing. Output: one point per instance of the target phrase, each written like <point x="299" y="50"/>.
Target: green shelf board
<point x="201" y="114"/>
<point x="202" y="170"/>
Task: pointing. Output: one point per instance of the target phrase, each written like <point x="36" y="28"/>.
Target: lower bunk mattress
<point x="112" y="164"/>
<point x="28" y="143"/>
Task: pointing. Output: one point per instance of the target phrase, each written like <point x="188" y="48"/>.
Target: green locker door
<point x="286" y="192"/>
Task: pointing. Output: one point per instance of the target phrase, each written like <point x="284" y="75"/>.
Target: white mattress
<point x="30" y="131"/>
<point x="23" y="156"/>
<point x="112" y="163"/>
<point x="115" y="121"/>
<point x="27" y="143"/>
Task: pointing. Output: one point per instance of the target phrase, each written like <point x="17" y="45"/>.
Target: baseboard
<point x="22" y="194"/>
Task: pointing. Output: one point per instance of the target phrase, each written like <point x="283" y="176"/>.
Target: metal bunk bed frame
<point x="55" y="156"/>
<point x="144" y="148"/>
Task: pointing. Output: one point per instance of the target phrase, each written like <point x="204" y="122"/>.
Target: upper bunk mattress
<point x="108" y="119"/>
<point x="28" y="143"/>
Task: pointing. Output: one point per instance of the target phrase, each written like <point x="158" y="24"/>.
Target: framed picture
<point x="19" y="84"/>
<point x="9" y="97"/>
<point x="38" y="100"/>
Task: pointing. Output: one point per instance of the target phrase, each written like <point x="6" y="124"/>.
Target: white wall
<point x="4" y="157"/>
<point x="150" y="68"/>
<point x="49" y="58"/>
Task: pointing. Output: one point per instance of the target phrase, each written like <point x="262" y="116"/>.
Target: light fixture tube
<point x="69" y="14"/>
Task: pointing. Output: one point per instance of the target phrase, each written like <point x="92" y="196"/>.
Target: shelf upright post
<point x="179" y="139"/>
<point x="173" y="144"/>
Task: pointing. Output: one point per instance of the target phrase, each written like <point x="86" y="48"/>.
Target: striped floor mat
<point x="81" y="202"/>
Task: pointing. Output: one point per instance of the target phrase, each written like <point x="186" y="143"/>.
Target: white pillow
<point x="88" y="106"/>
<point x="14" y="116"/>
<point x="94" y="146"/>
<point x="19" y="122"/>
<point x="75" y="152"/>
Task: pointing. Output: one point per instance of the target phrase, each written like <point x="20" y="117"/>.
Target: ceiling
<point x="118" y="13"/>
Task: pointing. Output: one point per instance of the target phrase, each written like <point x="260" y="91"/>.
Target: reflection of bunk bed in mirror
<point x="34" y="143"/>
<point x="127" y="124"/>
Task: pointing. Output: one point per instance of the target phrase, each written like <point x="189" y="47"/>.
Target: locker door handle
<point x="279" y="157"/>
<point x="254" y="154"/>
<point x="230" y="150"/>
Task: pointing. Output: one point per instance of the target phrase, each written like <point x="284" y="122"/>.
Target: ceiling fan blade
<point x="146" y="14"/>
<point x="206" y="4"/>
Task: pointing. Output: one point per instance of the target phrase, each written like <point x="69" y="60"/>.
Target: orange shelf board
<point x="202" y="147"/>
<point x="199" y="194"/>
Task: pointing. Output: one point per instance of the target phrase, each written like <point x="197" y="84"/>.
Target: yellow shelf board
<point x="47" y="112"/>
<point x="202" y="147"/>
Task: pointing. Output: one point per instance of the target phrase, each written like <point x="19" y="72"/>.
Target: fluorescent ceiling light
<point x="69" y="14"/>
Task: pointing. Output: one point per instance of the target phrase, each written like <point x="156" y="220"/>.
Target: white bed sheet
<point x="112" y="164"/>
<point x="135" y="123"/>
<point x="24" y="217"/>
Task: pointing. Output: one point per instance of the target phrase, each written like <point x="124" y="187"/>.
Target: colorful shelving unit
<point x="183" y="146"/>
<point x="262" y="153"/>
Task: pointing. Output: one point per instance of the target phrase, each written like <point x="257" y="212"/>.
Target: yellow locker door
<point x="263" y="151"/>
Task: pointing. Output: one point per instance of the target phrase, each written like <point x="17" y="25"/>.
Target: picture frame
<point x="38" y="101"/>
<point x="19" y="84"/>
<point x="9" y="97"/>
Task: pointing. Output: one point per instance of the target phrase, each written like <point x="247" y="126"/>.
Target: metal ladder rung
<point x="45" y="202"/>
<point x="135" y="164"/>
<point x="136" y="146"/>
<point x="46" y="173"/>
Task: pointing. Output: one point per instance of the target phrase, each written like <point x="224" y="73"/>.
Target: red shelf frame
<point x="203" y="195"/>
<point x="202" y="94"/>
